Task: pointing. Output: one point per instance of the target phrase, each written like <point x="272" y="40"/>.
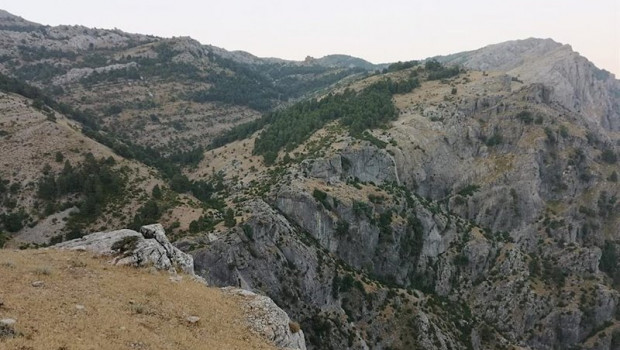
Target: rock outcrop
<point x="268" y="320"/>
<point x="127" y="247"/>
<point x="366" y="163"/>
<point x="151" y="247"/>
<point x="574" y="81"/>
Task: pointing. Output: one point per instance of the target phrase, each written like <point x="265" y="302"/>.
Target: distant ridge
<point x="576" y="82"/>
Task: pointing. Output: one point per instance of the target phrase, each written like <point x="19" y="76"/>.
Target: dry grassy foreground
<point x="86" y="303"/>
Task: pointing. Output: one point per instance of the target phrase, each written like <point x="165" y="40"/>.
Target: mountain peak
<point x="9" y="19"/>
<point x="506" y="55"/>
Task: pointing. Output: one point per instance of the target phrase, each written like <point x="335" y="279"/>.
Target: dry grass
<point x="123" y="308"/>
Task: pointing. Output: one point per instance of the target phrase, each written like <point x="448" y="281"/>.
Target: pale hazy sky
<point x="385" y="31"/>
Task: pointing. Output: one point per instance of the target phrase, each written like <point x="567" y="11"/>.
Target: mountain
<point x="463" y="202"/>
<point x="12" y="22"/>
<point x="574" y="81"/>
<point x="203" y="87"/>
<point x="484" y="215"/>
<point x="345" y="61"/>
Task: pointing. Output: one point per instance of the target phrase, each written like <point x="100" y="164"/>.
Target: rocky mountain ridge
<point x="424" y="206"/>
<point x="574" y="81"/>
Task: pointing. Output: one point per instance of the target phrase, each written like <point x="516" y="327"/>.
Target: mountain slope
<point x="137" y="85"/>
<point x="574" y="82"/>
<point x="84" y="302"/>
<point x="487" y="194"/>
<point x="345" y="61"/>
<point x="428" y="206"/>
<point x="37" y="143"/>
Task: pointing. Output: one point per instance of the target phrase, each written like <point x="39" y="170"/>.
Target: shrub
<point x="494" y="140"/>
<point x="321" y="197"/>
<point x="126" y="244"/>
<point x="468" y="190"/>
<point x="14" y="222"/>
<point x="461" y="260"/>
<point x="203" y="223"/>
<point x="342" y="227"/>
<point x="385" y="226"/>
<point x="361" y="208"/>
<point x="525" y="116"/>
<point x="609" y="156"/>
<point x="156" y="192"/>
<point x="438" y="71"/>
<point x="248" y="231"/>
<point x="294" y="327"/>
<point x="229" y="218"/>
<point x="394" y="67"/>
<point x="609" y="259"/>
<point x="147" y="214"/>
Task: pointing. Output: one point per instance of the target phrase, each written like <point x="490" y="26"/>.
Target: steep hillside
<point x="573" y="81"/>
<point x="482" y="215"/>
<point x="429" y="205"/>
<point x="82" y="302"/>
<point x="56" y="182"/>
<point x="170" y="94"/>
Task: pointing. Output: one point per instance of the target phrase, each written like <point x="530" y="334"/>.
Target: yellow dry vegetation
<point x="86" y="303"/>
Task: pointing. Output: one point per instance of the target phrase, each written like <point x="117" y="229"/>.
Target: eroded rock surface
<point x="151" y="247"/>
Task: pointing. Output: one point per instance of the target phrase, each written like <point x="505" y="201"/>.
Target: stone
<point x="267" y="319"/>
<point x="128" y="247"/>
<point x="183" y="261"/>
<point x="7" y="329"/>
<point x="8" y="321"/>
<point x="38" y="284"/>
<point x="192" y="319"/>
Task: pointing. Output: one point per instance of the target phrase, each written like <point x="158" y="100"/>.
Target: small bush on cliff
<point x="294" y="327"/>
<point x="321" y="197"/>
<point x="125" y="244"/>
<point x="609" y="156"/>
<point x="342" y="227"/>
<point x="229" y="218"/>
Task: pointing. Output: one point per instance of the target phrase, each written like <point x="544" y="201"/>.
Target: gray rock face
<point x="367" y="164"/>
<point x="277" y="258"/>
<point x="530" y="281"/>
<point x="574" y="81"/>
<point x="268" y="320"/>
<point x="75" y="74"/>
<point x="177" y="258"/>
<point x="127" y="247"/>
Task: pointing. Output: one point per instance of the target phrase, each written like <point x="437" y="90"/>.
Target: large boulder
<point x="150" y="247"/>
<point x="268" y="320"/>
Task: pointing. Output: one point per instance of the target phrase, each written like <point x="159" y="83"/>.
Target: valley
<point x="467" y="201"/>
